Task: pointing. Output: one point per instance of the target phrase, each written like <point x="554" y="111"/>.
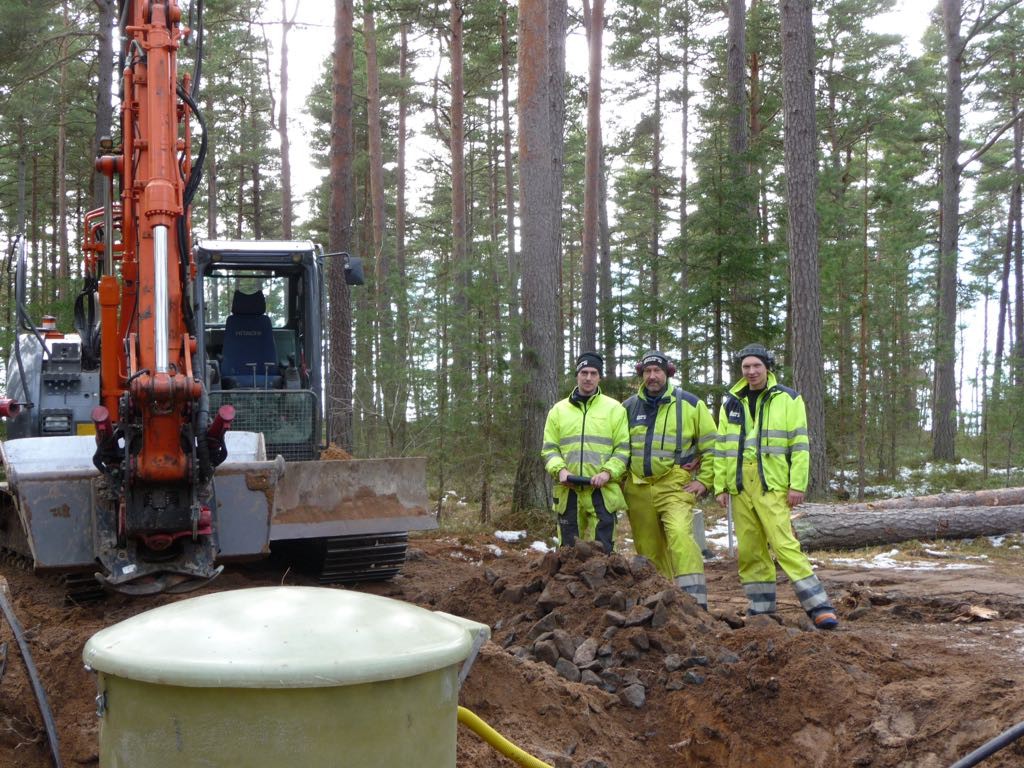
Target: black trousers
<point x="569" y="526"/>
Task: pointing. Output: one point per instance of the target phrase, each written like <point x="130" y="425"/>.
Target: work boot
<point x="825" y="619"/>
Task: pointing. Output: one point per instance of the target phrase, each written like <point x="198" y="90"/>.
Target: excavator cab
<point x="258" y="309"/>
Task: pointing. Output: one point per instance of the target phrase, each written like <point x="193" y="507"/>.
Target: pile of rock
<point x="606" y="621"/>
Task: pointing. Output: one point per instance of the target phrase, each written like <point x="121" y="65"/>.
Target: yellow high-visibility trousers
<point x="661" y="517"/>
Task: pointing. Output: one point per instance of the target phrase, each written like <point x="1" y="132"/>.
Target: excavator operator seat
<point x="249" y="355"/>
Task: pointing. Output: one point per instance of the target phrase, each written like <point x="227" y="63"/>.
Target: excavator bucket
<point x="348" y="521"/>
<point x="319" y="499"/>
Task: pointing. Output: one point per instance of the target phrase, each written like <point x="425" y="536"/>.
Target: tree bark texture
<point x="282" y="127"/>
<point x="341" y="212"/>
<point x="736" y="71"/>
<point x="800" y="148"/>
<point x="389" y="368"/>
<point x="104" y="83"/>
<point x="828" y="526"/>
<point x="1018" y="230"/>
<point x="539" y="206"/>
<point x="944" y="410"/>
<point x="988" y="498"/>
<point x="684" y="202"/>
<point x="401" y="296"/>
<point x="212" y="209"/>
<point x="592" y="178"/>
<point x="460" y="266"/>
<point x="510" y="206"/>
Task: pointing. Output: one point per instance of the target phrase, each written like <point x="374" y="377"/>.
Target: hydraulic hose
<point x="37" y="687"/>
<point x="989" y="748"/>
<point x="499" y="742"/>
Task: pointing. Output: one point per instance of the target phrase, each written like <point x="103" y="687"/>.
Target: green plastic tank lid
<point x="281" y="637"/>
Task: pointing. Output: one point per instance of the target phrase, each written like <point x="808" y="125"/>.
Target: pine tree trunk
<point x="945" y="407"/>
<point x="401" y="293"/>
<point x="862" y="373"/>
<point x="36" y="258"/>
<point x="460" y="266"/>
<point x="592" y="177"/>
<point x="212" y="210"/>
<point x="800" y="146"/>
<point x="104" y="83"/>
<point x="685" y="364"/>
<point x="389" y="367"/>
<point x="510" y="206"/>
<point x="557" y="25"/>
<point x="282" y="127"/>
<point x="61" y="270"/>
<point x="1016" y="205"/>
<point x="539" y="203"/>
<point x="339" y="378"/>
<point x="609" y="332"/>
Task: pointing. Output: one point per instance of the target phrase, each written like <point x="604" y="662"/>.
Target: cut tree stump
<point x="946" y="516"/>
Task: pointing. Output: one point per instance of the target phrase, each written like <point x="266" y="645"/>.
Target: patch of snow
<point x="510" y="535"/>
<point x="460" y="555"/>
<point x="494" y="549"/>
<point x="540" y="546"/>
<point x="996" y="541"/>
<point x="888" y="560"/>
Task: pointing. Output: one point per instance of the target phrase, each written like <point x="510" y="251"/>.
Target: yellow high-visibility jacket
<point x="776" y="439"/>
<point x="587" y="438"/>
<point x="653" y="431"/>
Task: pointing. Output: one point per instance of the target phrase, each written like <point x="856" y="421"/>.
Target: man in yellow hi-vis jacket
<point x="670" y="431"/>
<point x="586" y="450"/>
<point x="762" y="461"/>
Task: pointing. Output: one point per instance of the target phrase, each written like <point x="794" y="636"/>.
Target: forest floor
<point x="596" y="661"/>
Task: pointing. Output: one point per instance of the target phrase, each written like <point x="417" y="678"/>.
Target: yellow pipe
<point x="499" y="742"/>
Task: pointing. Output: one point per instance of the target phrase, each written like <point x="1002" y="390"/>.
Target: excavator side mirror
<point x="353" y="267"/>
<point x="354" y="270"/>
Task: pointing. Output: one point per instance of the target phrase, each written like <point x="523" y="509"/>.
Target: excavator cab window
<point x="252" y="324"/>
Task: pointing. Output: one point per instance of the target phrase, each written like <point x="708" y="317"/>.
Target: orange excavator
<point x="149" y="484"/>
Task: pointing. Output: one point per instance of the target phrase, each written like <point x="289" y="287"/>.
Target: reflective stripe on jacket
<point x="587" y="438"/>
<point x="776" y="439"/>
<point x="652" y="434"/>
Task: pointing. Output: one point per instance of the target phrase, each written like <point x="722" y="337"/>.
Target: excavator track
<point x="348" y="559"/>
<point x="82" y="588"/>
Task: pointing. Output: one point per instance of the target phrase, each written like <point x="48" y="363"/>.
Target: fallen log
<point x="990" y="497"/>
<point x="851" y="526"/>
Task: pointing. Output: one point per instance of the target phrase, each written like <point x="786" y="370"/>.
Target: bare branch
<point x="992" y="139"/>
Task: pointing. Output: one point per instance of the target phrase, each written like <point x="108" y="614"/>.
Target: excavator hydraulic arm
<point x="152" y="398"/>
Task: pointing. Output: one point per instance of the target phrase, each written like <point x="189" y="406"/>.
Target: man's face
<point x="587" y="380"/>
<point x="654" y="377"/>
<point x="755" y="372"/>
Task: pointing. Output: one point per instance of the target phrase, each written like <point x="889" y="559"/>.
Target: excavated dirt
<point x="597" y="661"/>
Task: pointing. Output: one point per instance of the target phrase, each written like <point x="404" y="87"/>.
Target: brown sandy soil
<point x="906" y="681"/>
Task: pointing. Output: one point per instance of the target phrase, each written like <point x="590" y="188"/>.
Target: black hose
<point x="197" y="71"/>
<point x="191" y="185"/>
<point x="989" y="748"/>
<point x="196" y="176"/>
<point x="37" y="687"/>
<point x="85" y="323"/>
